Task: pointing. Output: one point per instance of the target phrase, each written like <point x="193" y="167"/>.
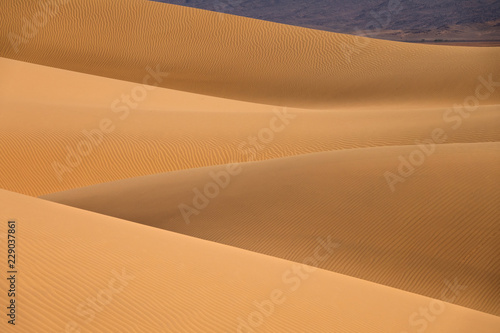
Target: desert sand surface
<point x="143" y="279"/>
<point x="51" y="117"/>
<point x="242" y="58"/>
<point x="220" y="160"/>
<point x="279" y="207"/>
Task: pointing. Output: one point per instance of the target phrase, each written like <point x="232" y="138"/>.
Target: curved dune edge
<point x="165" y="282"/>
<point x="241" y="58"/>
<point x="47" y="115"/>
<point x="432" y="229"/>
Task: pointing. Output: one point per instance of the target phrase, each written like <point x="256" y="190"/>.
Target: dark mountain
<point x="387" y="19"/>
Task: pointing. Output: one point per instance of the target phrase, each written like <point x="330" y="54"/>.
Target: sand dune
<point x="142" y="279"/>
<point x="136" y="109"/>
<point x="47" y="116"/>
<point x="241" y="58"/>
<point x="431" y="229"/>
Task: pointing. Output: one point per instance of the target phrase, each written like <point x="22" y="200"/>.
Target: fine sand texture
<point x="172" y="169"/>
<point x="431" y="229"/>
<point x="51" y="136"/>
<point x="87" y="272"/>
<point x="240" y="58"/>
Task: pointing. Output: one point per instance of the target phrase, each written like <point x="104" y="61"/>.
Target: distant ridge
<point x="386" y="19"/>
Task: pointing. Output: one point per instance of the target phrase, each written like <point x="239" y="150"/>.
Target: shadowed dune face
<point x="241" y="58"/>
<point x="410" y="239"/>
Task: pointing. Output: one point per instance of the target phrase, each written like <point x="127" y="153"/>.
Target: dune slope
<point x="116" y="276"/>
<point x="51" y="137"/>
<point x="238" y="57"/>
<point x="440" y="224"/>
